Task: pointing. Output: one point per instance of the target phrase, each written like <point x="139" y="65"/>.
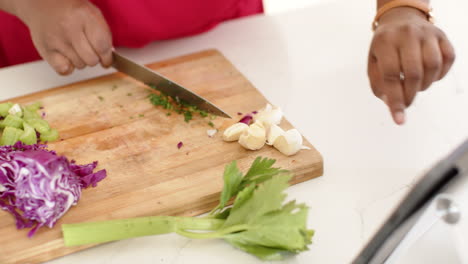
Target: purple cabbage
<point x="38" y="187"/>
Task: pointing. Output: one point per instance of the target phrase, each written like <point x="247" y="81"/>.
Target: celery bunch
<point x="259" y="222"/>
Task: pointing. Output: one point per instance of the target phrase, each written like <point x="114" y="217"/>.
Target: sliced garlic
<point x="306" y="147"/>
<point x="15" y="109"/>
<point x="233" y="132"/>
<point x="269" y="116"/>
<point x="211" y="132"/>
<point x="272" y="133"/>
<point x="289" y="143"/>
<point x="253" y="138"/>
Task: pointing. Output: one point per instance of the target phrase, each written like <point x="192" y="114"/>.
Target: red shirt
<point x="134" y="23"/>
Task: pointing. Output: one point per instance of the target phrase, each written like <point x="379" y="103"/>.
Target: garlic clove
<point x="233" y="132"/>
<point x="211" y="132"/>
<point x="253" y="138"/>
<point x="289" y="143"/>
<point x="269" y="116"/>
<point x="272" y="133"/>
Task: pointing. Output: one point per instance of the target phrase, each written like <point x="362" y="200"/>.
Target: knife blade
<point x="163" y="84"/>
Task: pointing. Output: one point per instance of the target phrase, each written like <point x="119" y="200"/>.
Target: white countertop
<point x="312" y="63"/>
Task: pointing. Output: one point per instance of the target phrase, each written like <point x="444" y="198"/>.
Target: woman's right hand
<point x="68" y="34"/>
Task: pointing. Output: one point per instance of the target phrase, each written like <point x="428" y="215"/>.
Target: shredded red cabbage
<point x="179" y="145"/>
<point x="38" y="187"/>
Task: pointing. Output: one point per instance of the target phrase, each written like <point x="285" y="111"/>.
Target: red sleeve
<point x="134" y="23"/>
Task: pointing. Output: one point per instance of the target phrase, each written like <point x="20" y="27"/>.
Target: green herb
<point x="129" y="94"/>
<point x="259" y="222"/>
<point x="175" y="104"/>
<point x="131" y="117"/>
<point x="203" y="113"/>
<point x="141" y="115"/>
<point x="114" y="87"/>
<point x="168" y="113"/>
<point x="100" y="98"/>
<point x="187" y="116"/>
<point x="211" y="124"/>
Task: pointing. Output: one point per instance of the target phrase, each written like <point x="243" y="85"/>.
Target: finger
<point x="100" y="38"/>
<point x="374" y="78"/>
<point x="412" y="67"/>
<point x="448" y="56"/>
<point x="60" y="63"/>
<point x="69" y="52"/>
<point x="432" y="61"/>
<point x="389" y="64"/>
<point x="83" y="48"/>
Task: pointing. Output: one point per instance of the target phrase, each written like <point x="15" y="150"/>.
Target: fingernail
<point x="399" y="117"/>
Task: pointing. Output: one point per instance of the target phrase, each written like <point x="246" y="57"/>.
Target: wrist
<point x="19" y="8"/>
<point x="401" y="14"/>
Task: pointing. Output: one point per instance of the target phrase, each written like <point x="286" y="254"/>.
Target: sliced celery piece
<point x="50" y="136"/>
<point x="29" y="135"/>
<point x="33" y="107"/>
<point x="30" y="114"/>
<point x="12" y="121"/>
<point x="40" y="125"/>
<point x="10" y="136"/>
<point x="4" y="107"/>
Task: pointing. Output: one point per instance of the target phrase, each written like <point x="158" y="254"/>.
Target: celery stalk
<point x="106" y="231"/>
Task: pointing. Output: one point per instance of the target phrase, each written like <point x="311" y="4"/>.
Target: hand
<point x="67" y="34"/>
<point x="407" y="54"/>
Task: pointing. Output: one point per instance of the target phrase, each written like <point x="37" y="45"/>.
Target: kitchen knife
<point x="161" y="83"/>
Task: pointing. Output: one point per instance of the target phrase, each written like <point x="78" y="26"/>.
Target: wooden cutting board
<point x="110" y="119"/>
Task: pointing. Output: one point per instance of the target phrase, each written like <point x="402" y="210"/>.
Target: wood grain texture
<point x="110" y="119"/>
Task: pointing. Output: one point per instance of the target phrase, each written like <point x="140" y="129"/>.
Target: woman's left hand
<point x="407" y="54"/>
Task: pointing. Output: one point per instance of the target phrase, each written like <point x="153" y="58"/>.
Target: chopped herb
<point x="176" y="104"/>
<point x="203" y="113"/>
<point x="100" y="98"/>
<point x="168" y="113"/>
<point x="141" y="115"/>
<point x="187" y="116"/>
<point x="129" y="94"/>
<point x="114" y="87"/>
<point x="131" y="117"/>
<point x="211" y="124"/>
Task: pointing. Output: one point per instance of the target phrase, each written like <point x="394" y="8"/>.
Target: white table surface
<point x="312" y="63"/>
